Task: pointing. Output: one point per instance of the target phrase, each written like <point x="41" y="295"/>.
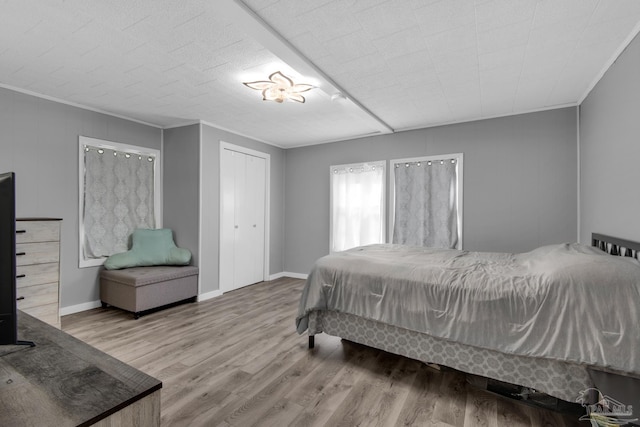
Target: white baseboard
<point x="79" y="307"/>
<point x="95" y="304"/>
<point x="276" y="276"/>
<point x="209" y="295"/>
<point x="202" y="297"/>
<point x="288" y="274"/>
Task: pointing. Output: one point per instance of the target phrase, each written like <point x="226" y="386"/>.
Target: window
<point x="119" y="191"/>
<point x="357" y="205"/>
<point x="426" y="201"/>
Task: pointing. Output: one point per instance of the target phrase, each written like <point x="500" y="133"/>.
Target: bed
<point x="558" y="320"/>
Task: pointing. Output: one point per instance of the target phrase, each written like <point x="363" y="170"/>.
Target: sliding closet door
<point x="242" y="221"/>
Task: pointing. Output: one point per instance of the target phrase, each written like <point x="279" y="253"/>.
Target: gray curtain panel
<point x="118" y="198"/>
<point x="425" y="204"/>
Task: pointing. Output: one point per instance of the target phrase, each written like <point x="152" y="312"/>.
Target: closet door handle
<point x="20" y="276"/>
<point x="19" y="298"/>
<point x="20" y="231"/>
<point x="20" y="253"/>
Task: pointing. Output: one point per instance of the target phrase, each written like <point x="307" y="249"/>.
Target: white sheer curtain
<point x="357" y="205"/>
<point x="426" y="208"/>
<point x="118" y="198"/>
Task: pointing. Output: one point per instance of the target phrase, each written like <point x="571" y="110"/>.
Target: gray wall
<point x="520" y="182"/>
<point x="610" y="150"/>
<point x="181" y="189"/>
<point x="210" y="232"/>
<point x="520" y="177"/>
<point x="39" y="142"/>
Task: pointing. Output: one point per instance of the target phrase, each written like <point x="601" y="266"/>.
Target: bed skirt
<point x="556" y="378"/>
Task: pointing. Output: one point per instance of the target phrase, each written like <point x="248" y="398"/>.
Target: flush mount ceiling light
<point x="280" y="88"/>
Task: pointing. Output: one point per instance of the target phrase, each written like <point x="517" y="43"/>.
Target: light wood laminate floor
<point x="236" y="360"/>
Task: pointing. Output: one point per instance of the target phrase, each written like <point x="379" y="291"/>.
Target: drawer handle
<point x="19" y="298"/>
<point x="20" y="253"/>
<point x="20" y="276"/>
<point x="20" y="231"/>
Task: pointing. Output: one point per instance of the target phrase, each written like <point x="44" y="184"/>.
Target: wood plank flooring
<point x="236" y="360"/>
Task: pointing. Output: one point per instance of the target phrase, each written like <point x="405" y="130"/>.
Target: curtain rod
<point x="357" y="169"/>
<point x="100" y="150"/>
<point x="428" y="162"/>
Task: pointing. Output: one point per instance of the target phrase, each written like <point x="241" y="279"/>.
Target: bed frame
<point x="563" y="380"/>
<point x="615" y="246"/>
<point x="624" y="387"/>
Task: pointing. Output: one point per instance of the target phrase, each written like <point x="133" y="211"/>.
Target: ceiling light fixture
<point x="280" y="88"/>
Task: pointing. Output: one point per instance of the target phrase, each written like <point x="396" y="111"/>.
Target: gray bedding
<point x="565" y="302"/>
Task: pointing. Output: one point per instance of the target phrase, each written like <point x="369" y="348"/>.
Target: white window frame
<point x="459" y="157"/>
<point x="128" y="148"/>
<point x="383" y="164"/>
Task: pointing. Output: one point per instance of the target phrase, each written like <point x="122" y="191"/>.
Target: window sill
<point x="97" y="262"/>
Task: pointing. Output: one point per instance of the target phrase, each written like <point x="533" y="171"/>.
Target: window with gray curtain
<point x="117" y="194"/>
<point x="427" y="201"/>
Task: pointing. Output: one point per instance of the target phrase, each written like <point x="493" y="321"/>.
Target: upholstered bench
<point x="140" y="289"/>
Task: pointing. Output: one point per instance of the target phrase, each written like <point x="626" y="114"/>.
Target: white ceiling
<point x="402" y="64"/>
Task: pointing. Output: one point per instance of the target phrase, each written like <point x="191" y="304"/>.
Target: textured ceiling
<point x="402" y="64"/>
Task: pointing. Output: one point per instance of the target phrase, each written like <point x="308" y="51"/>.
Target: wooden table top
<point x="63" y="381"/>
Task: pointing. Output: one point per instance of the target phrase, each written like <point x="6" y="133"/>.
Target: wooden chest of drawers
<point x="38" y="268"/>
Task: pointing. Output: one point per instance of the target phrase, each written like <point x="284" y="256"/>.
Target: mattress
<point x="568" y="302"/>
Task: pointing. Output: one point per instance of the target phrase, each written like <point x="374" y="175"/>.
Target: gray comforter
<point x="567" y="302"/>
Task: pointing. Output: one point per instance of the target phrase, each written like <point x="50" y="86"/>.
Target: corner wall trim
<point x="76" y="105"/>
<point x="579" y="177"/>
<point x="209" y="295"/>
<point x="64" y="311"/>
<point x="288" y="274"/>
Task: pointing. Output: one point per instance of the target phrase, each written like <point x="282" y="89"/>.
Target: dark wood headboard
<point x="615" y="245"/>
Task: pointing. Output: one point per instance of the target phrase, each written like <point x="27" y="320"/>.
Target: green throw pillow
<point x="150" y="247"/>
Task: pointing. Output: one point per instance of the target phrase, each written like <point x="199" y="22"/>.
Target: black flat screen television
<point x="8" y="315"/>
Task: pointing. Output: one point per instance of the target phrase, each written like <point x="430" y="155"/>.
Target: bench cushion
<point x="140" y="276"/>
